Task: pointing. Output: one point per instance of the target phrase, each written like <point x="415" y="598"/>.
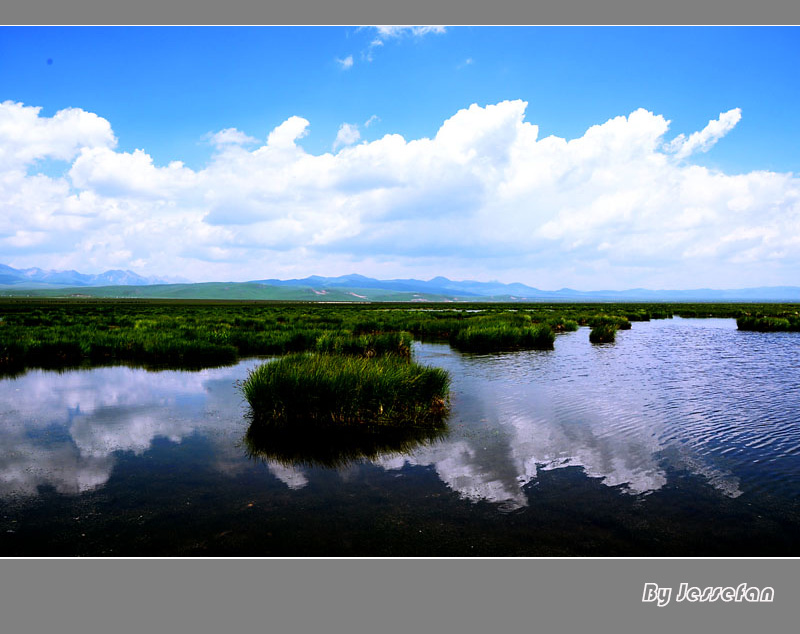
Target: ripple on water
<point x="727" y="400"/>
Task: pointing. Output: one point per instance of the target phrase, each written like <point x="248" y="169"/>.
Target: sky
<point x="583" y="157"/>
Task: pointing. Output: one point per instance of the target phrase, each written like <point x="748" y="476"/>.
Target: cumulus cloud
<point x="486" y="197"/>
<point x="25" y="136"/>
<point x="128" y="174"/>
<point x="285" y="135"/>
<point x="347" y="135"/>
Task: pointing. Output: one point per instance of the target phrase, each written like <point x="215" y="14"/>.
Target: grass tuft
<point x="365" y="345"/>
<point x="768" y="324"/>
<point x="320" y="389"/>
<point x="603" y="333"/>
<point x="501" y="338"/>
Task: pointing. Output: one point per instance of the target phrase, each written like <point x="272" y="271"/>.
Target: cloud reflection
<point x="63" y="429"/>
<point x="512" y="416"/>
<point x="515" y="415"/>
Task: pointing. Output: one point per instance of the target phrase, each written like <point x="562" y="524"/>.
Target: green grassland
<point x="228" y="291"/>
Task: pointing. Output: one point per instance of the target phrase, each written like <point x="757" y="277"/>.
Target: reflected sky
<point x="515" y="425"/>
<point x="692" y="394"/>
<point x="63" y="429"/>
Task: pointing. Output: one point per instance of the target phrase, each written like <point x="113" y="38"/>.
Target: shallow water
<point x="681" y="438"/>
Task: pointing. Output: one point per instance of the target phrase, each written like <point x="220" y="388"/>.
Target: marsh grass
<point x="618" y="322"/>
<point x="323" y="390"/>
<point x="560" y="324"/>
<point x="761" y="323"/>
<point x="503" y="338"/>
<point x="662" y="313"/>
<point x="603" y="333"/>
<point x="54" y="333"/>
<point x="365" y="345"/>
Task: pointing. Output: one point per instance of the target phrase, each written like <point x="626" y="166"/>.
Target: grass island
<point x="323" y="390"/>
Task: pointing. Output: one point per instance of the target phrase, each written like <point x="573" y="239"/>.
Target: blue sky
<point x="718" y="212"/>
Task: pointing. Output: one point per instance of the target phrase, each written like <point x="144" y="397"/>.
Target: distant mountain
<point x="759" y="294"/>
<point x="499" y="291"/>
<point x="352" y="288"/>
<point x="359" y="281"/>
<point x="38" y="278"/>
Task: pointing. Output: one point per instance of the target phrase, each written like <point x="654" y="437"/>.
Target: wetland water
<point x="682" y="438"/>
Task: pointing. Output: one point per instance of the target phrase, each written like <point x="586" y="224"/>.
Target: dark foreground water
<point x="682" y="438"/>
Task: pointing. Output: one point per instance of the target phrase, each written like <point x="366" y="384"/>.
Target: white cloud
<point x="133" y="174"/>
<point x="25" y="136"/>
<point x="703" y="140"/>
<point x="368" y="54"/>
<point x="345" y="63"/>
<point x="392" y="31"/>
<point x="485" y="198"/>
<point x="230" y="136"/>
<point x="347" y="135"/>
<point x="372" y="120"/>
<point x="287" y="133"/>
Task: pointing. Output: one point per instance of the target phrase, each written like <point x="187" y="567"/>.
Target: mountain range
<point x="498" y="291"/>
<point x="39" y="278"/>
<point x="118" y="283"/>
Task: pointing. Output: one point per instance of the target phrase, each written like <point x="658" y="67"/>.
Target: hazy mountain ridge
<point x="40" y="278"/>
<point x="499" y="291"/>
<point x="354" y="287"/>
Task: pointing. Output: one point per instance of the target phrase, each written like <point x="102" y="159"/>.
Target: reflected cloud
<point x="62" y="429"/>
<point x="28" y="466"/>
<point x="516" y="420"/>
<point x="611" y="411"/>
<point x="292" y="477"/>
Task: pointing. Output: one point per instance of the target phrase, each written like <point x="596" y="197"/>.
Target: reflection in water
<point x="612" y="410"/>
<point x="334" y="448"/>
<point x="676" y="394"/>
<point x="62" y="429"/>
<point x="689" y="394"/>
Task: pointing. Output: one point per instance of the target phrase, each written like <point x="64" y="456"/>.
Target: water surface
<point x="681" y="438"/>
